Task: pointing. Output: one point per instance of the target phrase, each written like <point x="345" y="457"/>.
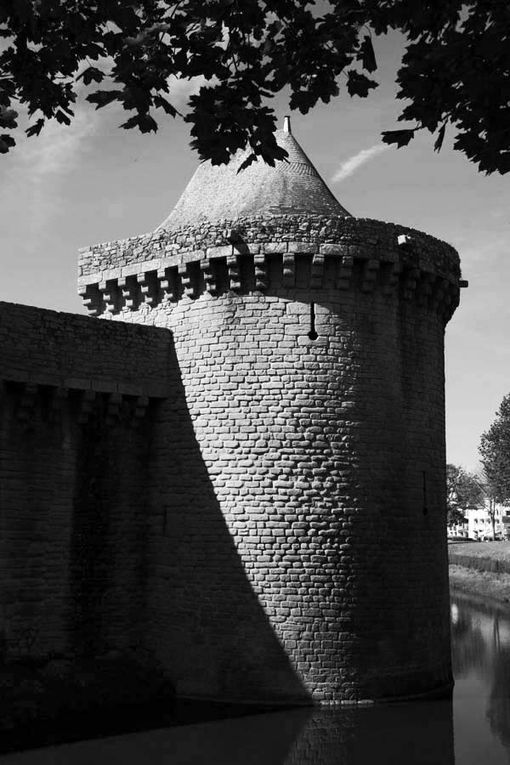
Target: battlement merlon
<point x="258" y="252"/>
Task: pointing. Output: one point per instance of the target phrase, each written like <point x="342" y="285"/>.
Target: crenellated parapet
<point x="268" y="254"/>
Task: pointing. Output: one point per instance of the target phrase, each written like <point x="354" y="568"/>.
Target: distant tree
<point x="495" y="453"/>
<point x="463" y="491"/>
<point x="455" y="71"/>
<point x="491" y="498"/>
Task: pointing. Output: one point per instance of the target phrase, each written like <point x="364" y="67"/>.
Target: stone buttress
<point x="297" y="512"/>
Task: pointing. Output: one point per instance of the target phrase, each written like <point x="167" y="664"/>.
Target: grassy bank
<point x="484" y="584"/>
<point x="482" y="556"/>
<point x="481" y="569"/>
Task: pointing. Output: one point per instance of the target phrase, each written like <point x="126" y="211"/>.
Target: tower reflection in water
<point x="419" y="733"/>
<point x="481" y="663"/>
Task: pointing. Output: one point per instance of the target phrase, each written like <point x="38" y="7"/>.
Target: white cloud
<point x="39" y="165"/>
<point x="350" y="165"/>
<point x="58" y="148"/>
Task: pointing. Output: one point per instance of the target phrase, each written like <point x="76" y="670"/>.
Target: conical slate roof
<point x="220" y="192"/>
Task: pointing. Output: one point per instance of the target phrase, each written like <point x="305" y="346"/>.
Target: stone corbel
<point x="409" y="281"/>
<point x="129" y="290"/>
<point x="317" y="271"/>
<point x="261" y="275"/>
<point x="113" y="405"/>
<point x="91" y="298"/>
<point x="344" y="275"/>
<point x="168" y="283"/>
<point x="110" y="294"/>
<point x="187" y="280"/>
<point x="26" y="404"/>
<point x="369" y="277"/>
<point x="234" y="273"/>
<point x="140" y="407"/>
<point x="425" y="286"/>
<point x="289" y="269"/>
<point x="86" y="405"/>
<point x="57" y="402"/>
<point x="393" y="270"/>
<point x="210" y="280"/>
<point x="148" y="287"/>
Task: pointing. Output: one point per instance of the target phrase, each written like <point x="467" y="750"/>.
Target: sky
<point x="93" y="182"/>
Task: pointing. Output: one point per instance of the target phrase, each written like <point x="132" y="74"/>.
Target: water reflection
<point x="418" y="733"/>
<point x="481" y="663"/>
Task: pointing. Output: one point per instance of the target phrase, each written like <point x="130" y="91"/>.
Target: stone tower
<point x="297" y="507"/>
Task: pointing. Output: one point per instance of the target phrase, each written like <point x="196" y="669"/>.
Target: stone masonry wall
<point x="279" y="233"/>
<point x="77" y="398"/>
<point x="163" y="266"/>
<point x="305" y="556"/>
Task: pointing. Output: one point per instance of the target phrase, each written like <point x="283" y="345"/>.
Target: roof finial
<point x="286" y="125"/>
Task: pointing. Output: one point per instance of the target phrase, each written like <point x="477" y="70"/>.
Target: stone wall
<point x="247" y="254"/>
<point x="77" y="399"/>
<point x="254" y="234"/>
<point x="306" y="555"/>
<point x="257" y="497"/>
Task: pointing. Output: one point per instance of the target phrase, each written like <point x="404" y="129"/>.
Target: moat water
<point x="472" y="729"/>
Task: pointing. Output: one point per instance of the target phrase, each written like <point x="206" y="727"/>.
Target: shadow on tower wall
<point x="114" y="549"/>
<point x="204" y="620"/>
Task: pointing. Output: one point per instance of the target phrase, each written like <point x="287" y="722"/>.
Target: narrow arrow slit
<point x="312" y="334"/>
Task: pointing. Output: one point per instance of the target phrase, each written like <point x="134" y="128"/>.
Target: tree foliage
<point x="455" y="71"/>
<point x="495" y="453"/>
<point x="463" y="491"/>
<point x="491" y="498"/>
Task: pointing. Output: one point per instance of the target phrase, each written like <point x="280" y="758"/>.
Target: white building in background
<point x="478" y="524"/>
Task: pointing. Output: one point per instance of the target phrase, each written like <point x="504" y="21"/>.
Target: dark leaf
<point x="124" y="16"/>
<point x="36" y="128"/>
<point x="62" y="117"/>
<point x="400" y="137"/>
<point x="92" y="74"/>
<point x="366" y="55"/>
<point x="440" y="138"/>
<point x="166" y="105"/>
<point x="358" y="84"/>
<point x="130" y="123"/>
<point x="8" y="117"/>
<point x="250" y="159"/>
<point x="144" y="122"/>
<point x="104" y="97"/>
<point x="147" y="124"/>
<point x="454" y="64"/>
<point x="6" y="141"/>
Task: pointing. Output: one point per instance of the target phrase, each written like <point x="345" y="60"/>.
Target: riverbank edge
<point x="486" y="586"/>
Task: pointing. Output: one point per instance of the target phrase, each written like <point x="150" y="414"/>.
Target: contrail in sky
<point x="350" y="165"/>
